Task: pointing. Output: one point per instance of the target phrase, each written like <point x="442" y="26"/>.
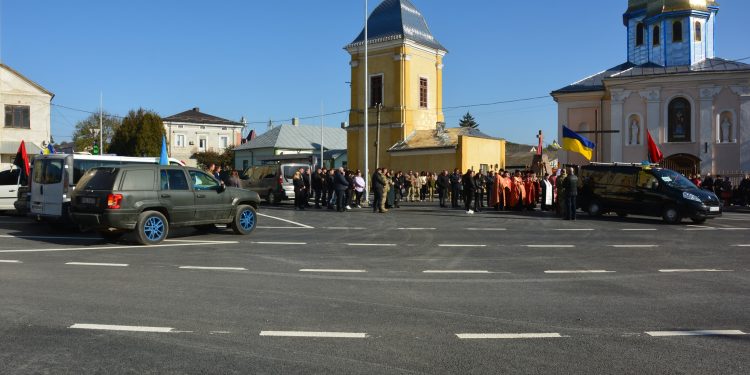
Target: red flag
<point x="654" y="154"/>
<point x="22" y="159"/>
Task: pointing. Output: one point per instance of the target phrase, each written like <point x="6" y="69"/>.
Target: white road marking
<point x="454" y="271"/>
<point x="370" y="244"/>
<point x="731" y="228"/>
<point x="487" y="229"/>
<point x="10" y="261"/>
<point x="219" y="333"/>
<point x="633" y="246"/>
<point x="575" y="230"/>
<point x="282" y="228"/>
<point x="97" y="264"/>
<point x="485" y="336"/>
<point x="639" y="230"/>
<point x="202" y="241"/>
<point x="549" y="246"/>
<point x="579" y="271"/>
<point x="213" y="268"/>
<point x="742" y="245"/>
<point x="343" y="335"/>
<point x="695" y="333"/>
<point x="279" y="243"/>
<point x="287" y="221"/>
<point x="695" y="270"/>
<point x="416" y="228"/>
<point x="460" y="245"/>
<point x="331" y="271"/>
<point x="345" y="228"/>
<point x="52" y="238"/>
<point x="104" y="327"/>
<point x="106" y="248"/>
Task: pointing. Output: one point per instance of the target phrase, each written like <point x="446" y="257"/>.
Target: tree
<point x="468" y="121"/>
<point x="140" y="134"/>
<point x="206" y="158"/>
<point x="87" y="131"/>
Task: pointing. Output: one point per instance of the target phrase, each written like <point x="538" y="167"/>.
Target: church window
<point x="679" y="121"/>
<point x="698" y="32"/>
<point x="657" y="35"/>
<point x="639" y="31"/>
<point x="677" y="32"/>
<point x="376" y="90"/>
<point x="423" y="93"/>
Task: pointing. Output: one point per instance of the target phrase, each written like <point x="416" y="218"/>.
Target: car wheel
<point x="271" y="197"/>
<point x="111" y="235"/>
<point x="594" y="209"/>
<point x="698" y="220"/>
<point x="152" y="228"/>
<point x="245" y="220"/>
<point x="671" y="215"/>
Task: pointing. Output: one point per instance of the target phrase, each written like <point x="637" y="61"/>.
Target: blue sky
<point x="281" y="59"/>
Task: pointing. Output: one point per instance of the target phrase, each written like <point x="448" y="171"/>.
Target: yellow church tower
<point x="405" y="73"/>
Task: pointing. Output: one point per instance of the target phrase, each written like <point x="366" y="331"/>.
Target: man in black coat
<point x="455" y="180"/>
<point x="317" y="186"/>
<point x="443" y="183"/>
<point x="571" y="194"/>
<point x="306" y="177"/>
<point x="340" y="184"/>
<point x="331" y="185"/>
<point x="378" y="188"/>
<point x="470" y="187"/>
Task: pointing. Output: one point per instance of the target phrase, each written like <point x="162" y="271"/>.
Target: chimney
<point x="196" y="109"/>
<point x="295" y="121"/>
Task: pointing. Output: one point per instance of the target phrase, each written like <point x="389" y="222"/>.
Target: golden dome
<point x="655" y="7"/>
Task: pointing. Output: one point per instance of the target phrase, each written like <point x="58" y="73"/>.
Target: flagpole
<point x="367" y="142"/>
<point x="101" y="123"/>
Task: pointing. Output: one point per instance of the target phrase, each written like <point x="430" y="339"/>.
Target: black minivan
<point x="644" y="190"/>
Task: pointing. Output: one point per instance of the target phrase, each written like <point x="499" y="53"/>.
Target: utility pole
<point x="101" y="123"/>
<point x="322" y="155"/>
<point x="377" y="139"/>
<point x="366" y="108"/>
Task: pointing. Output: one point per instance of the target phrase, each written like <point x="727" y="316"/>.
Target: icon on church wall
<point x="634" y="130"/>
<point x="725" y="128"/>
<point x="679" y="121"/>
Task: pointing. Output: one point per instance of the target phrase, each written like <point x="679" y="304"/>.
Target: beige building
<point x="26" y="109"/>
<point x="696" y="106"/>
<point x="192" y="131"/>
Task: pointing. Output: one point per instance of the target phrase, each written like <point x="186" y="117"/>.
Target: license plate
<point x="85" y="200"/>
<point x="713" y="209"/>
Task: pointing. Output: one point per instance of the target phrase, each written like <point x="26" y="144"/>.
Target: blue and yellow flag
<point x="575" y="142"/>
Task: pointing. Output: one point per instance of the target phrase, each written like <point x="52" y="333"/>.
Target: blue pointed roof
<point x="398" y="19"/>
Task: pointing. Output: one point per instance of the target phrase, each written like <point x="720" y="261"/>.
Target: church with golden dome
<point x="695" y="105"/>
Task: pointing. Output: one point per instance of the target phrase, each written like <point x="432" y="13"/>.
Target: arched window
<point x="657" y="35"/>
<point x="698" y="31"/>
<point x="639" y="31"/>
<point x="677" y="31"/>
<point x="679" y="121"/>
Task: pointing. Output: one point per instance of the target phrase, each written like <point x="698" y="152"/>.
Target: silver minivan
<point x="272" y="182"/>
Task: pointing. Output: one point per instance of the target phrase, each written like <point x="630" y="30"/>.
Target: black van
<point x="644" y="190"/>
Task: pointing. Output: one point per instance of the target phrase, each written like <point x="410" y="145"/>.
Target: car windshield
<point x="674" y="180"/>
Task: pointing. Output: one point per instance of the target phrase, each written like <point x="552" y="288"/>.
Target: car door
<point x="8" y="188"/>
<point x="176" y="195"/>
<point x="648" y="199"/>
<point x="208" y="199"/>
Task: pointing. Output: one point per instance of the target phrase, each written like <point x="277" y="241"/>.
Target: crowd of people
<point x="343" y="190"/>
<point x="723" y="188"/>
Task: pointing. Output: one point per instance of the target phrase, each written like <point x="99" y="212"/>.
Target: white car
<point x="10" y="180"/>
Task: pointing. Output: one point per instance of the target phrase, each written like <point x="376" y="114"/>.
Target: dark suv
<point x="149" y="199"/>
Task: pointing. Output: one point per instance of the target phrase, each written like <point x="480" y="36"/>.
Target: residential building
<point x="26" y="108"/>
<point x="695" y="105"/>
<point x="292" y="140"/>
<point x="192" y="132"/>
<point x="406" y="125"/>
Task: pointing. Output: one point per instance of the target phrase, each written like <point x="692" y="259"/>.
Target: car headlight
<point x="691" y="196"/>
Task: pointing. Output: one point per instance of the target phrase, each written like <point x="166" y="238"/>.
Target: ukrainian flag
<point x="575" y="142"/>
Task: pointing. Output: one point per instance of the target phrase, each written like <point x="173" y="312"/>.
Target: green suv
<point x="149" y="199"/>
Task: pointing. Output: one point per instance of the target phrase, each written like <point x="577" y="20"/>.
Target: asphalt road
<point x="420" y="290"/>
